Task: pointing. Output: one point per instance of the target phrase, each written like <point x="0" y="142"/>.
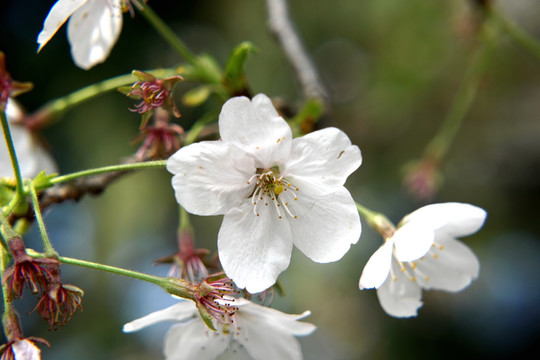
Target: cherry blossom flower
<point x="256" y="332"/>
<point x="93" y="29"/>
<point x="424" y="253"/>
<point x="273" y="190"/>
<point x="32" y="157"/>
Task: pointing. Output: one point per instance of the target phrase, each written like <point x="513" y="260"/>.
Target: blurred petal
<point x="256" y="127"/>
<point x="326" y="225"/>
<point x="254" y="250"/>
<point x="324" y="158"/>
<point x="210" y="177"/>
<point x="412" y="241"/>
<point x="178" y="312"/>
<point x="399" y="296"/>
<point x="58" y="15"/>
<point x="450" y="266"/>
<point x="267" y="343"/>
<point x="26" y="350"/>
<point x="377" y="268"/>
<point x="31" y="156"/>
<point x="93" y="30"/>
<point x="193" y="340"/>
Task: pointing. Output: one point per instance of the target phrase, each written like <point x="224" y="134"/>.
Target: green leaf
<point x="234" y="76"/>
<point x="43" y="180"/>
<point x="205" y="315"/>
<point x="196" y="96"/>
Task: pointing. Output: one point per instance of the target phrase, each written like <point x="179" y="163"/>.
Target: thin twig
<point x="281" y="26"/>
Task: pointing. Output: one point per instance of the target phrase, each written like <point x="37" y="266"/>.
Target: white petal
<point x="211" y="177"/>
<point x="193" y="340"/>
<point x="452" y="268"/>
<point x="26" y="350"/>
<point x="178" y="312"/>
<point x="326" y="226"/>
<point x="263" y="340"/>
<point x="324" y="158"/>
<point x="377" y="268"/>
<point x="256" y="127"/>
<point x="285" y="322"/>
<point x="399" y="296"/>
<point x="412" y="241"/>
<point x="254" y="250"/>
<point x="58" y="15"/>
<point x="93" y="30"/>
<point x="456" y="219"/>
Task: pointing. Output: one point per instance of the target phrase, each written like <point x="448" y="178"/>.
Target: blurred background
<point x="393" y="68"/>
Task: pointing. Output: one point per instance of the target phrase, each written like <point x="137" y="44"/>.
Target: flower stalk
<point x="58" y="106"/>
<point x="12" y="153"/>
<point x="379" y="222"/>
<point x="50" y="252"/>
<point x="165" y="31"/>
<point x="111" y="168"/>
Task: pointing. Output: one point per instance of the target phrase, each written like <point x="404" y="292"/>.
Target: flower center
<point x="272" y="188"/>
<point x="409" y="268"/>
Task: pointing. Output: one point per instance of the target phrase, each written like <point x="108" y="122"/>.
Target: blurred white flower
<point x="423" y="253"/>
<point x="257" y="332"/>
<point x="22" y="349"/>
<point x="32" y="157"/>
<point x="93" y="29"/>
<point x="273" y="190"/>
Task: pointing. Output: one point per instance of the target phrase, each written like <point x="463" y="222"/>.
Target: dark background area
<point x="393" y="68"/>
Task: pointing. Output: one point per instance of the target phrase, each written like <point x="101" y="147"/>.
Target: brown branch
<point x="281" y="26"/>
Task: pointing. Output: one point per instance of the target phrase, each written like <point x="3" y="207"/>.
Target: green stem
<point x="438" y="147"/>
<point x="7" y="316"/>
<point x="12" y="154"/>
<point x="105" y="169"/>
<point x="185" y="223"/>
<point x="173" y="286"/>
<point x="50" y="252"/>
<point x="165" y="31"/>
<point x="5" y="227"/>
<point x="58" y="106"/>
<point x="526" y="41"/>
<point x="379" y="222"/>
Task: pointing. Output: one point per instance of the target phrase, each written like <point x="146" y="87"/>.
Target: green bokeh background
<point x="393" y="68"/>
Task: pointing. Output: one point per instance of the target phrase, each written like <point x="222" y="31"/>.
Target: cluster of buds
<point x="161" y="139"/>
<point x="153" y="93"/>
<point x="58" y="301"/>
<point x="34" y="273"/>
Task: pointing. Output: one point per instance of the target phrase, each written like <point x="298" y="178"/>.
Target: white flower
<point x="257" y="332"/>
<point x="423" y="253"/>
<point x="93" y="29"/>
<point x="273" y="190"/>
<point x="31" y="156"/>
<point x="22" y="349"/>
